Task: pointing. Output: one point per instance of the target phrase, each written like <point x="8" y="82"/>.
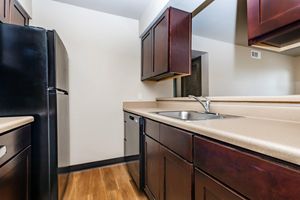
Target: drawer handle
<point x="3" y="151"/>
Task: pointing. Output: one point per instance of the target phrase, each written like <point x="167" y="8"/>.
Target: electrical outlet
<point x="255" y="54"/>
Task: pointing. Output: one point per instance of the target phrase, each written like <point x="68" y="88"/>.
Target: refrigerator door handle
<point x="58" y="91"/>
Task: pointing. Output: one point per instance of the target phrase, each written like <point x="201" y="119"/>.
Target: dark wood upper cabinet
<point x="177" y="177"/>
<point x="166" y="46"/>
<point x="207" y="188"/>
<point x="273" y="22"/>
<point x="4" y="10"/>
<point x="13" y="13"/>
<point x="160" y="42"/>
<point x="17" y="15"/>
<point x="147" y="60"/>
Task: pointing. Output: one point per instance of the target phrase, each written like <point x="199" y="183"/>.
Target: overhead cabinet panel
<point x="13" y="13"/>
<point x="160" y="40"/>
<point x="170" y="46"/>
<point x="147" y="65"/>
<point x="274" y="23"/>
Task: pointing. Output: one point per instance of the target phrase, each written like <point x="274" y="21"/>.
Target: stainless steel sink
<point x="192" y="115"/>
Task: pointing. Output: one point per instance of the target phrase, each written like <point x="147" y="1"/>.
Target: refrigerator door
<point x="23" y="91"/>
<point x="58" y="62"/>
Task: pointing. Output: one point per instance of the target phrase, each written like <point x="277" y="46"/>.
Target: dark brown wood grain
<point x="250" y="175"/>
<point x="161" y="45"/>
<point x="15" y="177"/>
<point x="152" y="129"/>
<point x="147" y="57"/>
<point x="207" y="188"/>
<point x="17" y="14"/>
<point x="179" y="141"/>
<point x="13" y="13"/>
<point x="15" y="141"/>
<point x="152" y="168"/>
<point x="177" y="177"/>
<point x="265" y="16"/>
<point x="180" y="41"/>
<point x="4" y="10"/>
<point x="171" y="50"/>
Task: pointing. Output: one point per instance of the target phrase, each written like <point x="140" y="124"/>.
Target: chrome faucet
<point x="205" y="104"/>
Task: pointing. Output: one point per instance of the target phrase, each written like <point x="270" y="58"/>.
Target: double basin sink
<point x="193" y="115"/>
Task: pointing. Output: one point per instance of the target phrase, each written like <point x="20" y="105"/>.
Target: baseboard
<point x="90" y="165"/>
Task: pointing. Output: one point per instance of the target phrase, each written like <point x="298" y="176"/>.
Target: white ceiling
<point x="126" y="8"/>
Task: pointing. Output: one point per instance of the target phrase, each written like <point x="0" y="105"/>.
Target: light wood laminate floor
<point x="106" y="183"/>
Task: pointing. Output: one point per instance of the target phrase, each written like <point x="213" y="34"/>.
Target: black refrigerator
<point x="34" y="81"/>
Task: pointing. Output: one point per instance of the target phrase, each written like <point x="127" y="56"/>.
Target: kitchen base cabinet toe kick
<point x="180" y="165"/>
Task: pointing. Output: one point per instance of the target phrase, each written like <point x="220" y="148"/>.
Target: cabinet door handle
<point x="3" y="151"/>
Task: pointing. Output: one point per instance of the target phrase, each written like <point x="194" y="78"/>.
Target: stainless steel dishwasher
<point x="133" y="148"/>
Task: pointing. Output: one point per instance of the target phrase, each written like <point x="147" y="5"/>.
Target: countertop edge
<point x="11" y="123"/>
<point x="284" y="153"/>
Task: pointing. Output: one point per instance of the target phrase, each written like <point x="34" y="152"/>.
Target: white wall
<point x="152" y="11"/>
<point x="104" y="53"/>
<point x="297" y="75"/>
<point x="233" y="72"/>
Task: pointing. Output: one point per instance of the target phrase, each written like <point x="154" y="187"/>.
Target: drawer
<point x="179" y="141"/>
<point x="253" y="176"/>
<point x="207" y="187"/>
<point x="15" y="177"/>
<point x="152" y="129"/>
<point x="14" y="142"/>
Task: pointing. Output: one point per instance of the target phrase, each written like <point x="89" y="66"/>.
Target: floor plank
<point x="106" y="183"/>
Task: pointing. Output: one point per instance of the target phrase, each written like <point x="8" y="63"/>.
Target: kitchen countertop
<point x="9" y="123"/>
<point x="275" y="138"/>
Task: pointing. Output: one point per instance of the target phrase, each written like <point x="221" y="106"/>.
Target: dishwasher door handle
<point x="3" y="151"/>
<point x="130" y="117"/>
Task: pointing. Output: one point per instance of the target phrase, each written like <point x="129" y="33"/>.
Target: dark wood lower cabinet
<point x="176" y="177"/>
<point x="167" y="176"/>
<point x="152" y="168"/>
<point x="207" y="188"/>
<point x="15" y="177"/>
<point x="222" y="171"/>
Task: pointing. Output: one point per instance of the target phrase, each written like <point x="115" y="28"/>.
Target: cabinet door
<point x="15" y="177"/>
<point x="147" y="60"/>
<point x="4" y="10"/>
<point x="177" y="174"/>
<point x="267" y="15"/>
<point x="206" y="188"/>
<point x="152" y="168"/>
<point x="161" y="42"/>
<point x="17" y="14"/>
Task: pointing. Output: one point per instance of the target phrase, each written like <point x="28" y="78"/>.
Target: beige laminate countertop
<point x="9" y="123"/>
<point x="278" y="139"/>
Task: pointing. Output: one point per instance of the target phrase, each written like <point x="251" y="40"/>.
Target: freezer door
<point x="58" y="62"/>
<point x="63" y="130"/>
